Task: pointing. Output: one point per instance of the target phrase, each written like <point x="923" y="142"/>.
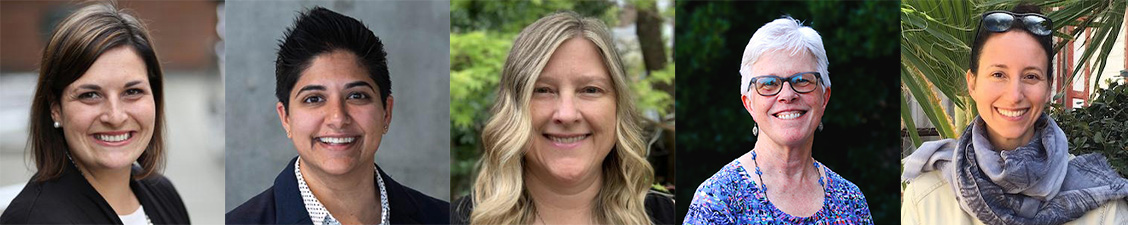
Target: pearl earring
<point x="56" y="124"/>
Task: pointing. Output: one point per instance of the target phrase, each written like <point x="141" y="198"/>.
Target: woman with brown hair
<point x="97" y="123"/>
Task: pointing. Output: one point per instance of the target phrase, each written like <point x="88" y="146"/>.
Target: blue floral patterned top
<point x="732" y="196"/>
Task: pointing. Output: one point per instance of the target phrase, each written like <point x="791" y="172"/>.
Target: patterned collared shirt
<point x="317" y="211"/>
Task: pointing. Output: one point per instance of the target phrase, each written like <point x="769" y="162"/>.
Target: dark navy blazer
<point x="282" y="204"/>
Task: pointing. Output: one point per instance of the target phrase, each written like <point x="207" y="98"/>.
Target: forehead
<point x="575" y="57"/>
<point x="116" y="65"/>
<point x="783" y="62"/>
<point x="1013" y="47"/>
<point x="334" y="67"/>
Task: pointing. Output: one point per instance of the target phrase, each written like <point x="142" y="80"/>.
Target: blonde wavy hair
<point x="499" y="194"/>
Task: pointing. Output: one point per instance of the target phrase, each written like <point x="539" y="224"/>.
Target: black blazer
<point x="70" y="199"/>
<point x="659" y="206"/>
<point x="282" y="204"/>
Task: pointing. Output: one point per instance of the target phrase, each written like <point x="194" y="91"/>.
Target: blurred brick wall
<point x="184" y="31"/>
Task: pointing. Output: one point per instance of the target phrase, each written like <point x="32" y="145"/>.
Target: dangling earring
<point x="56" y="124"/>
<point x="755" y="130"/>
<point x="820" y="126"/>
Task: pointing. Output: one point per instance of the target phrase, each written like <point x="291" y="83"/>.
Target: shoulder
<point x="847" y="200"/>
<point x="48" y="202"/>
<point x="424" y="208"/>
<point x="1112" y="212"/>
<point x="257" y="210"/>
<point x="719" y="198"/>
<point x="460" y="214"/>
<point x="24" y="206"/>
<point x="660" y="207"/>
<point x="929" y="199"/>
<point x="158" y="194"/>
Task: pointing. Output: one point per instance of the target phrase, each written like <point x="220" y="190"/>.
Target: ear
<point x="826" y="98"/>
<point x="56" y="116"/>
<point x="388" y="110"/>
<point x="284" y="117"/>
<point x="970" y="82"/>
<point x="747" y="103"/>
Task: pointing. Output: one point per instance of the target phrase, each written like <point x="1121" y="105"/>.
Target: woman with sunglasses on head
<point x="785" y="88"/>
<point x="1011" y="165"/>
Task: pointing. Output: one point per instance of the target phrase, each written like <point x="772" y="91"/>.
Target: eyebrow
<point x="132" y="83"/>
<point x="310" y="88"/>
<point x="358" y="84"/>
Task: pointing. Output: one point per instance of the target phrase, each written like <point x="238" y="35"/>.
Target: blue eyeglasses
<point x="769" y="85"/>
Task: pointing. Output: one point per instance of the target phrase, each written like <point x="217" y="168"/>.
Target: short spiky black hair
<point x="319" y="31"/>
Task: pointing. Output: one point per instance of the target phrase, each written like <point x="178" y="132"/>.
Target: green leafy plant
<point x="1102" y="127"/>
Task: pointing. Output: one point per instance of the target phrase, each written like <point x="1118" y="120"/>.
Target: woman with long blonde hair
<point x="564" y="145"/>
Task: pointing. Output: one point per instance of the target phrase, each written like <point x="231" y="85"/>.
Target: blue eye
<point x="542" y="90"/>
<point x="591" y="90"/>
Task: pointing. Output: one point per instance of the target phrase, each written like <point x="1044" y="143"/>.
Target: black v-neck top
<point x="70" y="199"/>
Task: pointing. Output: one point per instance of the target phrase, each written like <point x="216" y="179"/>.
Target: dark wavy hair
<point x="74" y="46"/>
<point x="981" y="36"/>
<point x="319" y="31"/>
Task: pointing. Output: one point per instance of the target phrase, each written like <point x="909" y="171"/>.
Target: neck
<point x="1003" y="143"/>
<point x="791" y="163"/>
<point x="350" y="197"/>
<point x="561" y="202"/>
<point x="113" y="185"/>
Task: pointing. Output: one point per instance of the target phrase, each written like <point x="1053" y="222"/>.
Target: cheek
<point x="370" y="119"/>
<point x="145" y="112"/>
<point x="303" y="122"/>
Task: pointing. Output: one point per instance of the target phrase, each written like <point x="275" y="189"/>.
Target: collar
<point x="290" y="209"/>
<point x="317" y="211"/>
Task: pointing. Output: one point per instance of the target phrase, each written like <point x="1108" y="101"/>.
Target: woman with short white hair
<point x="778" y="181"/>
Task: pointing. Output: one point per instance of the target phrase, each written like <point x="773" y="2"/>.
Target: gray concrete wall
<point x="416" y="151"/>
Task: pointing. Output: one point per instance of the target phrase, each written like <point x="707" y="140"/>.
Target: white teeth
<point x="333" y="140"/>
<point x="567" y="140"/>
<point x="1012" y="113"/>
<point x="788" y="115"/>
<point x="112" y="138"/>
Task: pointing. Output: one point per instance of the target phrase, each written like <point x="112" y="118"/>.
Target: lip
<point x="562" y="140"/>
<point x="331" y="145"/>
<point x="124" y="142"/>
<point x="1024" y="113"/>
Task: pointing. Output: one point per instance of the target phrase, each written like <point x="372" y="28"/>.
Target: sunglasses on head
<point x="1001" y="21"/>
<point x="769" y="85"/>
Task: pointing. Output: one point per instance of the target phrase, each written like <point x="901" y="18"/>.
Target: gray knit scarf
<point x="1034" y="184"/>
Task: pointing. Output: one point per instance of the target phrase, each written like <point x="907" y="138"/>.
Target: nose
<point x="1014" y="92"/>
<point x="566" y="110"/>
<point x="114" y="113"/>
<point x="787" y="94"/>
<point x="338" y="114"/>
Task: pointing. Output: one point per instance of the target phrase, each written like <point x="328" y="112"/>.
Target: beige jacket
<point x="929" y="199"/>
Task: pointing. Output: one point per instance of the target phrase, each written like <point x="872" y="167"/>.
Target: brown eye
<point x="313" y="99"/>
<point x="358" y="95"/>
<point x="89" y="95"/>
<point x="542" y="90"/>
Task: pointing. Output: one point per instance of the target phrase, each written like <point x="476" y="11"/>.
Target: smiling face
<point x="336" y="119"/>
<point x="108" y="114"/>
<point x="787" y="118"/>
<point x="1011" y="88"/>
<point x="573" y="114"/>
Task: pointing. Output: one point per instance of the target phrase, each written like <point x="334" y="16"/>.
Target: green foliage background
<point x="859" y="141"/>
<point x="1102" y="127"/>
<point x="482" y="33"/>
